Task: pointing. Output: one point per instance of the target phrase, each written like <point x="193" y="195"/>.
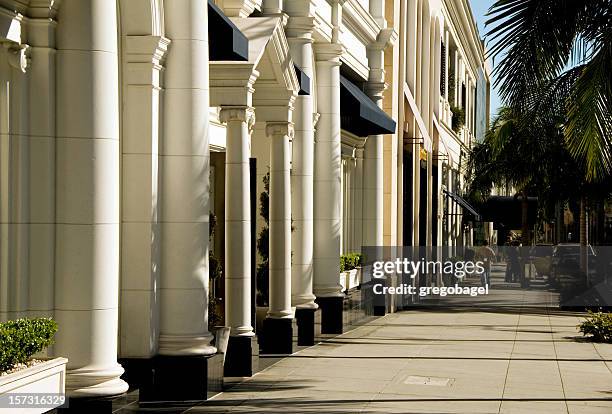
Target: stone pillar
<point x="42" y="128"/>
<point x="185" y="350"/>
<point x="87" y="197"/>
<point x="184" y="165"/>
<point x="359" y="194"/>
<point x="140" y="232"/>
<point x="327" y="189"/>
<point x="278" y="331"/>
<point x="299" y="32"/>
<point x="373" y="196"/>
<point x="239" y="120"/>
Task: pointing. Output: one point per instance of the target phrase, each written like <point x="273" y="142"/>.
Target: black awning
<point x="359" y="114"/>
<point x="464" y="204"/>
<point x="303" y="79"/>
<point x="507" y="211"/>
<point x="225" y="40"/>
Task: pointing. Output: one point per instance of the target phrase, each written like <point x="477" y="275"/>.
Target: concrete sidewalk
<point x="438" y="362"/>
<point x="461" y="360"/>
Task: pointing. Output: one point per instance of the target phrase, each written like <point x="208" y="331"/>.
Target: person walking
<point x="485" y="254"/>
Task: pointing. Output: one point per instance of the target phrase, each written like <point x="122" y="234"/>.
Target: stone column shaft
<point x="373" y="197"/>
<point x="280" y="220"/>
<point x="140" y="229"/>
<point x="87" y="197"/>
<point x="327" y="177"/>
<point x="238" y="220"/>
<point x="300" y="40"/>
<point x="184" y="166"/>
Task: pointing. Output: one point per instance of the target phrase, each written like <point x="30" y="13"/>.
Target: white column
<point x="184" y="166"/>
<point x="299" y="32"/>
<point x="238" y="219"/>
<point x="373" y="191"/>
<point x="42" y="107"/>
<point x="358" y="235"/>
<point x="327" y="177"/>
<point x="280" y="134"/>
<point x="140" y="228"/>
<point x="87" y="198"/>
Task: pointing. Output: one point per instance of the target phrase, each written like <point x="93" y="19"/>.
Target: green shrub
<point x="350" y="261"/>
<point x="22" y="338"/>
<point x="598" y="325"/>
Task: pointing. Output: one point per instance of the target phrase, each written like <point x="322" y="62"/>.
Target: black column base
<point x="277" y="336"/>
<point x="87" y="405"/>
<point x="241" y="356"/>
<point x="305" y="319"/>
<point x="182" y="378"/>
<point x="331" y="314"/>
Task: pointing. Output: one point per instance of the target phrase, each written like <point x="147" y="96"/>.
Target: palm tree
<point x="531" y="158"/>
<point x="503" y="160"/>
<point x="562" y="50"/>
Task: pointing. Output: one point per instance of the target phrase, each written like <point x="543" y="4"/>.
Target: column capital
<point x="330" y="52"/>
<point x="146" y="49"/>
<point x="238" y="113"/>
<point x="300" y="28"/>
<point x="359" y="153"/>
<point x="375" y="90"/>
<point x="279" y="129"/>
<point x="239" y="8"/>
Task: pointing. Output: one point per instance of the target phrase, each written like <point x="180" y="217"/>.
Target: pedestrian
<point x="512" y="262"/>
<point x="485" y="254"/>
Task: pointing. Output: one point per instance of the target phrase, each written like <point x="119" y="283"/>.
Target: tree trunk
<point x="584" y="231"/>
<point x="584" y="238"/>
<point x="525" y="219"/>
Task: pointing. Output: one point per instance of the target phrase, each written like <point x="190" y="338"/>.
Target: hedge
<point x="350" y="261"/>
<point x="20" y="339"/>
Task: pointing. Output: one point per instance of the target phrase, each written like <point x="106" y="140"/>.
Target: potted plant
<point x="35" y="385"/>
<point x="343" y="272"/>
<point x="350" y="270"/>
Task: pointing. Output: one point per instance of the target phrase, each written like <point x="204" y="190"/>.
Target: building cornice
<point x="461" y="22"/>
<point x="360" y="21"/>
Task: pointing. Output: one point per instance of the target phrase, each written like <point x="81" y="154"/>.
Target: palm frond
<point x="589" y="128"/>
<point x="536" y="38"/>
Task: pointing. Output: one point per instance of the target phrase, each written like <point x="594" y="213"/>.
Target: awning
<point x="359" y="114"/>
<point x="507" y="211"/>
<point x="303" y="79"/>
<point x="225" y="40"/>
<point x="464" y="204"/>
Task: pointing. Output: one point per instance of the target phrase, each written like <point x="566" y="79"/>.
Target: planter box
<point x="44" y="381"/>
<point x="353" y="278"/>
<point x="343" y="277"/>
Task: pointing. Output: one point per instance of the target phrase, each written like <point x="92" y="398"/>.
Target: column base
<point x="87" y="405"/>
<point x="241" y="357"/>
<point x="331" y="314"/>
<point x="277" y="336"/>
<point x="305" y="318"/>
<point x="181" y="378"/>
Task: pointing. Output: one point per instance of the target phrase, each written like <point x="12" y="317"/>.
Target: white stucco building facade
<point x="127" y="126"/>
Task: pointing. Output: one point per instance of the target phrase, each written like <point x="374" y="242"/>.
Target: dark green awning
<point x="464" y="204"/>
<point x="359" y="114"/>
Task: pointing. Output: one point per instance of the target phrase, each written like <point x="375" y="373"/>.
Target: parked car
<point x="541" y="257"/>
